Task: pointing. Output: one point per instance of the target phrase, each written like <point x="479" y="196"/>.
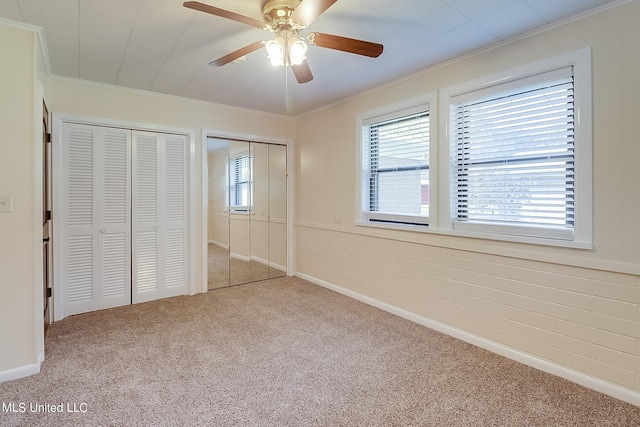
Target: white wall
<point x="118" y="103"/>
<point x="578" y="309"/>
<point x="18" y="240"/>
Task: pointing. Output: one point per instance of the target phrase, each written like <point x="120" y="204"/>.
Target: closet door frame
<point x="212" y="133"/>
<point x="61" y="212"/>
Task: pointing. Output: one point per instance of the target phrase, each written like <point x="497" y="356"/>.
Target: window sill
<point x="240" y="211"/>
<point x="541" y="241"/>
<point x="395" y="226"/>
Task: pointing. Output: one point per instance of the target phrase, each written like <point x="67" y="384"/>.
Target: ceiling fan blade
<point x="236" y="54"/>
<point x="302" y="72"/>
<point x="195" y="5"/>
<point x="345" y="44"/>
<point x="308" y="10"/>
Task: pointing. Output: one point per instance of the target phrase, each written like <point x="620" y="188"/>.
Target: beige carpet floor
<point x="284" y="352"/>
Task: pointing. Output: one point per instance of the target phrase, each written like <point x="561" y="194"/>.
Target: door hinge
<point x="48" y="137"/>
<point x="48" y="216"/>
<point x="49" y="293"/>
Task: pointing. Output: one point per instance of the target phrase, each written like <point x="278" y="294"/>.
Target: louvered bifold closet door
<point x="115" y="229"/>
<point x="94" y="218"/>
<point x="174" y="214"/>
<point x="159" y="217"/>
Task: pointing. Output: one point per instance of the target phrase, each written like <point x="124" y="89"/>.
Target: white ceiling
<point x="160" y="46"/>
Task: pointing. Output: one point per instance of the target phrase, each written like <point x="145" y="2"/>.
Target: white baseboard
<point x="278" y="266"/>
<point x="256" y="259"/>
<point x="585" y="380"/>
<point x="240" y="257"/>
<point x="222" y="245"/>
<point x="21" y="372"/>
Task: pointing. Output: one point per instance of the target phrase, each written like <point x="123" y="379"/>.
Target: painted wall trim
<point x="580" y="378"/>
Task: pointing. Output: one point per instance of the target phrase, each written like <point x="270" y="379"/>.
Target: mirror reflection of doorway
<point x="247" y="192"/>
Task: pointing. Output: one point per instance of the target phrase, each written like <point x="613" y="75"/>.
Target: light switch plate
<point x="5" y="203"/>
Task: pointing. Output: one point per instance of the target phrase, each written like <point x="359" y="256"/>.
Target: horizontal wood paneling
<point x="583" y="319"/>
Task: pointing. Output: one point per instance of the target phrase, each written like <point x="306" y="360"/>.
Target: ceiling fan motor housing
<point x="277" y="14"/>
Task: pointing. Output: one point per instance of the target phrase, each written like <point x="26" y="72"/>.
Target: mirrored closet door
<point x="247" y="207"/>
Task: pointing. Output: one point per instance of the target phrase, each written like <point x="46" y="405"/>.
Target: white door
<point x="159" y="216"/>
<point x="94" y="218"/>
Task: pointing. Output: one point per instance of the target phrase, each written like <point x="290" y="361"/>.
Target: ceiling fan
<point x="286" y="18"/>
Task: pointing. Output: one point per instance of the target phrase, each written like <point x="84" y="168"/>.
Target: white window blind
<point x="513" y="154"/>
<point x="396" y="168"/>
<point x="240" y="181"/>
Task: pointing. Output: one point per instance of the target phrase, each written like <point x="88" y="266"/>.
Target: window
<point x="513" y="159"/>
<point x="395" y="167"/>
<point x="240" y="194"/>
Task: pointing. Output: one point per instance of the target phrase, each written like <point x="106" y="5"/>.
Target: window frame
<point x="239" y="209"/>
<point x="440" y="158"/>
<point x="423" y="103"/>
<point x="582" y="234"/>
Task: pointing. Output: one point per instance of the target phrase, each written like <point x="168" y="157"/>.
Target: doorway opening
<point x="47" y="265"/>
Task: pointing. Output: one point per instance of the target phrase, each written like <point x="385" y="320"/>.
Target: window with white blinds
<point x="395" y="166"/>
<point x="240" y="184"/>
<point x="513" y="157"/>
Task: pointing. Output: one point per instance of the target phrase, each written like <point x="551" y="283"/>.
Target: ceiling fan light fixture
<point x="297" y="50"/>
<point x="286" y="50"/>
<point x="285" y="19"/>
<point x="276" y="51"/>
